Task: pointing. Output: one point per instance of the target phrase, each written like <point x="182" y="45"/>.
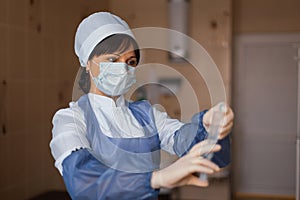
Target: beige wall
<point x="258" y="16"/>
<point x="210" y="26"/>
<point x="38" y="62"/>
<point x="202" y="14"/>
<point x="38" y="66"/>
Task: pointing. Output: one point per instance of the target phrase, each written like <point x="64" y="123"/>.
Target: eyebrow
<point x="120" y="55"/>
<point x="115" y="54"/>
<point x="132" y="57"/>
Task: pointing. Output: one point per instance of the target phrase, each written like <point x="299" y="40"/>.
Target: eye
<point x="132" y="62"/>
<point x="112" y="58"/>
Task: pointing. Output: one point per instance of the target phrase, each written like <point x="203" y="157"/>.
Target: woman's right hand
<point x="182" y="171"/>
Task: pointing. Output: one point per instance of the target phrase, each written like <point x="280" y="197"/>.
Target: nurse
<point x="106" y="147"/>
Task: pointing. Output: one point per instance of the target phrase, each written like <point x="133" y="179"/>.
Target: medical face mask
<point x="115" y="78"/>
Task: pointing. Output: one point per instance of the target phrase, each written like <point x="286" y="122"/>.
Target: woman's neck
<point x="95" y="90"/>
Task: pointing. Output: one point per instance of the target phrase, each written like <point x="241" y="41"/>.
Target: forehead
<point x="127" y="50"/>
<point x="125" y="55"/>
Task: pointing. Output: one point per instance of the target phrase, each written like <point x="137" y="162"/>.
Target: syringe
<point x="214" y="128"/>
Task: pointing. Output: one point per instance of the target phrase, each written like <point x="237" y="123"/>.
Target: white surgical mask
<point x="115" y="78"/>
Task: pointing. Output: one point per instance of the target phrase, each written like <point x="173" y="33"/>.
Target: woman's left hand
<point x="227" y="123"/>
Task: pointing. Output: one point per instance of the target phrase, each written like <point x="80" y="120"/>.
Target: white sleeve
<point x="166" y="128"/>
<point x="68" y="133"/>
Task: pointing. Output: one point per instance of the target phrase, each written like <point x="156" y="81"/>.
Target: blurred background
<point x="255" y="44"/>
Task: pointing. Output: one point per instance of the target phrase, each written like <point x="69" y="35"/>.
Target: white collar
<point x="99" y="101"/>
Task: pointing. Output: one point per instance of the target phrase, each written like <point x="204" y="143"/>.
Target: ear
<point x="88" y="66"/>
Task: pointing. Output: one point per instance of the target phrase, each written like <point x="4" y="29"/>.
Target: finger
<point x="208" y="149"/>
<point x="194" y="180"/>
<point x="228" y="110"/>
<point x="201" y="169"/>
<point x="229" y="124"/>
<point x="207" y="164"/>
<point x="225" y="131"/>
<point x="205" y="149"/>
<point x="207" y="115"/>
<point x="197" y="146"/>
<point x="228" y="117"/>
<point x="205" y="145"/>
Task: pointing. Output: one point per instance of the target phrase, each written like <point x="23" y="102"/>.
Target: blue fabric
<point x="142" y="111"/>
<point x="120" y="168"/>
<point x="115" y="168"/>
<point x="223" y="157"/>
<point x="88" y="179"/>
<point x="192" y="133"/>
<point x="125" y="154"/>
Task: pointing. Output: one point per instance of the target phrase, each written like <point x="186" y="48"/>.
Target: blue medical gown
<point x="192" y="133"/>
<point x="121" y="168"/>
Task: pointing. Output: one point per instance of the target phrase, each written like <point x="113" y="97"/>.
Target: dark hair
<point x="114" y="43"/>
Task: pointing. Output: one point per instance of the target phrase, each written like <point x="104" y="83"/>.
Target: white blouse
<point x="69" y="128"/>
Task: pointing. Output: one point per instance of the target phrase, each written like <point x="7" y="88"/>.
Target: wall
<point x="209" y="24"/>
<point x="38" y="66"/>
<point x="37" y="71"/>
<point x="253" y="16"/>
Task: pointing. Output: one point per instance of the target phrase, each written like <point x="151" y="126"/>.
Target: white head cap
<point x="94" y="29"/>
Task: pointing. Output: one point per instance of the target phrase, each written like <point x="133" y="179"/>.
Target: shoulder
<point x="73" y="112"/>
<point x="67" y="119"/>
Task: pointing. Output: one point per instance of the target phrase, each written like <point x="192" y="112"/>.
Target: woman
<point x="108" y="148"/>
